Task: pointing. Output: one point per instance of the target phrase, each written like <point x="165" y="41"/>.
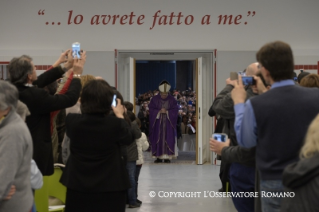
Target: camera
<point x="248" y="80"/>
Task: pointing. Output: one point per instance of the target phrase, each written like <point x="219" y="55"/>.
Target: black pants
<point x="96" y="202"/>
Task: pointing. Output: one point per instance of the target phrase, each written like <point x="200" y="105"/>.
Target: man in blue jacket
<point x="272" y="121"/>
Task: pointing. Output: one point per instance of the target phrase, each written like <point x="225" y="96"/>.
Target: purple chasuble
<point x="163" y="126"/>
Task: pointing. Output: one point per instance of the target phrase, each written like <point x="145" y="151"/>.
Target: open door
<point x="203" y="124"/>
<point x="126" y="80"/>
<point x="205" y="82"/>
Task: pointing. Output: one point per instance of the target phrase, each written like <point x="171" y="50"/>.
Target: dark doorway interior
<point x="180" y="75"/>
<point x="150" y="73"/>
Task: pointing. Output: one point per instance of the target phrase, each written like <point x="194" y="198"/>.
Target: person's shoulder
<point x="16" y="125"/>
<point x="32" y="92"/>
<point x="143" y="137"/>
<point x="73" y="116"/>
<point x="112" y="119"/>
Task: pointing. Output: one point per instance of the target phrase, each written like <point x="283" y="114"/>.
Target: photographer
<point x="266" y="121"/>
<point x="242" y="160"/>
<point x="40" y="103"/>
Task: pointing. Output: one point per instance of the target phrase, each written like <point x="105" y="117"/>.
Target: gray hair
<point x="19" y="68"/>
<point x="8" y="96"/>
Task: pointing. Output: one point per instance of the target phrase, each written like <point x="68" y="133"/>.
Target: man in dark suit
<point x="40" y="103"/>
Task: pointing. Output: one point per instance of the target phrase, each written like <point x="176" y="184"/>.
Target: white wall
<point x="24" y="31"/>
<point x="294" y="21"/>
<point x="101" y="63"/>
<point x="228" y="61"/>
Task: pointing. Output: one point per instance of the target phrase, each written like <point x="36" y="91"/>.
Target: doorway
<point x="180" y="74"/>
<point x="204" y="76"/>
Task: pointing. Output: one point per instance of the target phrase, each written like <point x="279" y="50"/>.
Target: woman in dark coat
<point x="301" y="179"/>
<point x="95" y="173"/>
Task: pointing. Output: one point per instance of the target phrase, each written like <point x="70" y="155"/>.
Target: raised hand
<point x="62" y="59"/>
<point x="78" y="64"/>
<point x="238" y="94"/>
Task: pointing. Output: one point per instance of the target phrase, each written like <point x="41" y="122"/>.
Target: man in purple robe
<point x="163" y="119"/>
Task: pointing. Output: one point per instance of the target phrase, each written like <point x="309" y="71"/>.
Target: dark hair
<point x="138" y="121"/>
<point x="19" y="68"/>
<point x="184" y="116"/>
<point x="311" y="80"/>
<point x="128" y="105"/>
<point x="131" y="115"/>
<point x="262" y="79"/>
<point x="119" y="96"/>
<point x="96" y="97"/>
<point x="278" y="59"/>
<point x="301" y="76"/>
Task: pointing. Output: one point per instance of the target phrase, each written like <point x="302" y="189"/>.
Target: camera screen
<point x="248" y="80"/>
<point x="76" y="50"/>
<point x="218" y="137"/>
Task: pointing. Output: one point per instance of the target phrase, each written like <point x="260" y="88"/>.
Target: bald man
<point x="238" y="163"/>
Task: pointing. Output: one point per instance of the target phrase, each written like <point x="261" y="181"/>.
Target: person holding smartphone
<point x="268" y="121"/>
<point x="40" y="103"/>
<point x="95" y="173"/>
<point x="235" y="159"/>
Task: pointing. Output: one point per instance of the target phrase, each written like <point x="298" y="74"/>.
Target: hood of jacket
<point x="301" y="172"/>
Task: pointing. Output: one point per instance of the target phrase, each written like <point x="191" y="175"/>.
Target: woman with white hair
<point x="302" y="178"/>
<point x="15" y="154"/>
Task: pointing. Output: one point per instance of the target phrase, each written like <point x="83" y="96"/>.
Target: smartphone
<point x="248" y="80"/>
<point x="76" y="50"/>
<point x="114" y="100"/>
<point x="296" y="79"/>
<point x="233" y="75"/>
<point x="221" y="137"/>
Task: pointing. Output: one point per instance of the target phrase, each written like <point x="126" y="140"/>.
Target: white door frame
<point x="211" y="60"/>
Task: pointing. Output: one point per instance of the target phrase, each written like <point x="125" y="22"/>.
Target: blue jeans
<point x="242" y="179"/>
<point x="268" y="203"/>
<point x="131" y="192"/>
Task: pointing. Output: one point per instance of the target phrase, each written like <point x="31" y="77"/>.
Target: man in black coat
<point x="40" y="103"/>
<point x="242" y="169"/>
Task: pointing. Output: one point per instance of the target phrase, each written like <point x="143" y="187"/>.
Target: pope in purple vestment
<point x="163" y="119"/>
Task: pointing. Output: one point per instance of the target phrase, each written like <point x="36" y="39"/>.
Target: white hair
<point x="8" y="95"/>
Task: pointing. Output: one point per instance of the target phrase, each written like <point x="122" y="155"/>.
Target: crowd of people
<point x="186" y="102"/>
<point x="67" y="117"/>
<point x="64" y="116"/>
<point x="272" y="135"/>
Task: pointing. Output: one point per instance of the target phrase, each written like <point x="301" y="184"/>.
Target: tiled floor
<point x="180" y="178"/>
